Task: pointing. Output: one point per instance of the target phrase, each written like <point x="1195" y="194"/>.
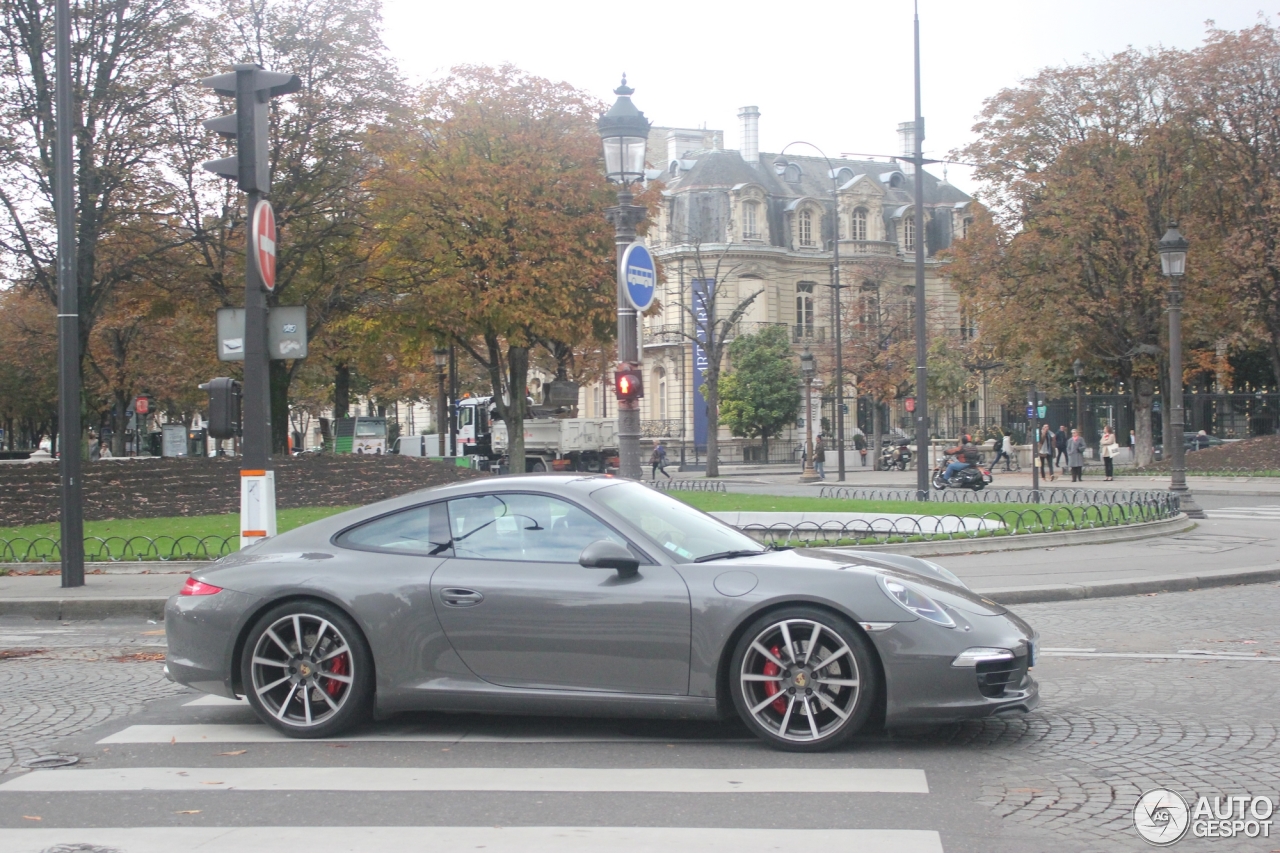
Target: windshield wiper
<point x="728" y="555"/>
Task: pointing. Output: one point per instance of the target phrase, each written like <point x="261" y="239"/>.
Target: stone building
<point x="767" y="223"/>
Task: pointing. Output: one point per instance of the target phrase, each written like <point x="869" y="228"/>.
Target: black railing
<point x="114" y="549"/>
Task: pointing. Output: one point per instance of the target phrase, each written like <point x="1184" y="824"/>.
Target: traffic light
<point x="628" y="383"/>
<point x="224" y="407"/>
<point x="253" y="87"/>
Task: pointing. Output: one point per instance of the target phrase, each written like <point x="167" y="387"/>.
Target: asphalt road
<point x="1177" y="690"/>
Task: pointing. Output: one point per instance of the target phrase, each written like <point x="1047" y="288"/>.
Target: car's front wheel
<point x="803" y="679"/>
<point x="307" y="670"/>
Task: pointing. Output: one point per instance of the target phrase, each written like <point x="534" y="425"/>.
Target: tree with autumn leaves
<point x="490" y="230"/>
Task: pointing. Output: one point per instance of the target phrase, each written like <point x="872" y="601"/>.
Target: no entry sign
<point x="264" y="243"/>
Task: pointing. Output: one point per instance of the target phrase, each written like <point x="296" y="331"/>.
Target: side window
<point x="533" y="528"/>
<point x="420" y="530"/>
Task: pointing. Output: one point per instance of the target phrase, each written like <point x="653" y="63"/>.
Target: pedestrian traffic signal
<point x="628" y="384"/>
<point x="253" y="87"/>
<point x="224" y="407"/>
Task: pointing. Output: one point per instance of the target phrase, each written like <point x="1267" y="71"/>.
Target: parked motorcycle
<point x="895" y="457"/>
<point x="975" y="477"/>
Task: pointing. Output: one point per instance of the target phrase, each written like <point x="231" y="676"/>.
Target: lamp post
<point x="835" y="286"/>
<point x="442" y="406"/>
<point x="1077" y="367"/>
<point x="624" y="133"/>
<point x="808" y="368"/>
<point x="1173" y="262"/>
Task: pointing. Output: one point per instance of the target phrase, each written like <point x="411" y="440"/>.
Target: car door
<point x="521" y="612"/>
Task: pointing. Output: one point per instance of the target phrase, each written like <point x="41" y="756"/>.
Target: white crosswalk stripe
<point x="195" y="788"/>
<point x="1246" y="513"/>
<point x="448" y="839"/>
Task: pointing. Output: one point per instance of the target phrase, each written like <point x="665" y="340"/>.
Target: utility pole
<point x="69" y="464"/>
<point x="922" y="349"/>
<point x="253" y="88"/>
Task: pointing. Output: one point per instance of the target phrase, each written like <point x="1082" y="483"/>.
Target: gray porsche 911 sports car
<point x="587" y="595"/>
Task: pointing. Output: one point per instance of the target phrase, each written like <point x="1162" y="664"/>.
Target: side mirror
<point x="607" y="554"/>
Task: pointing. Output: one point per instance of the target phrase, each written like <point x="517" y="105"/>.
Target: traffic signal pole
<point x="253" y="88"/>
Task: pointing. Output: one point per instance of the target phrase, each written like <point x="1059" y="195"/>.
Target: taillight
<point x="195" y="587"/>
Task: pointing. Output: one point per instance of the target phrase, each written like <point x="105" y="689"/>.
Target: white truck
<point x="550" y="443"/>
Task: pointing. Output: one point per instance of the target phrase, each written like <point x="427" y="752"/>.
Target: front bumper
<point x="201" y="632"/>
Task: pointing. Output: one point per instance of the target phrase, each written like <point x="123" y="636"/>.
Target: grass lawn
<point x="198" y="526"/>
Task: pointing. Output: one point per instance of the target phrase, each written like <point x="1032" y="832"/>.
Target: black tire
<point x="939" y="482"/>
<point x="816" y="707"/>
<point x="337" y="685"/>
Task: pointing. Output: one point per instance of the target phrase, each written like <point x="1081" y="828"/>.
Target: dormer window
<point x="859" y="224"/>
<point x="806" y="228"/>
<point x="751" y="220"/>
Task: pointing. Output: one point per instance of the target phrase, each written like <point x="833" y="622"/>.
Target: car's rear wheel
<point x="803" y="679"/>
<point x="307" y="670"/>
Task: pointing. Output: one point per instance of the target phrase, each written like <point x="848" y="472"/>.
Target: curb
<point x="1027" y="541"/>
<point x="83" y="608"/>
<point x="118" y="567"/>
<point x="1136" y="586"/>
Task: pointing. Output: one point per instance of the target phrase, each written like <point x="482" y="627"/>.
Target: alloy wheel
<point x="302" y="670"/>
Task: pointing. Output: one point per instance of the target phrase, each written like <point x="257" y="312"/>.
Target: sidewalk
<point x="102" y="596"/>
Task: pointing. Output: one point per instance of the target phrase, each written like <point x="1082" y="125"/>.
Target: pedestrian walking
<point x="1060" y="444"/>
<point x="819" y="457"/>
<point x="1109" y="450"/>
<point x="1133" y="446"/>
<point x="658" y="460"/>
<point x="95" y="449"/>
<point x="1005" y="452"/>
<point x="1045" y="450"/>
<point x="1075" y="456"/>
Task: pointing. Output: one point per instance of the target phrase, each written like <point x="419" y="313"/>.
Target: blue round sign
<point x="639" y="275"/>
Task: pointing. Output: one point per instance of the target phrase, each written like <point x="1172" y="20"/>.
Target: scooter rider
<point x="967" y="456"/>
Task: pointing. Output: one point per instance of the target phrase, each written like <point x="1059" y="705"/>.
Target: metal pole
<point x="72" y="526"/>
<point x="1178" y="451"/>
<point x="451" y="404"/>
<point x="1033" y="430"/>
<point x="442" y="413"/>
<point x="839" y="336"/>
<point x="810" y="473"/>
<point x="625" y="218"/>
<point x="1080" y="408"/>
<point x="256" y="447"/>
<point x="922" y="350"/>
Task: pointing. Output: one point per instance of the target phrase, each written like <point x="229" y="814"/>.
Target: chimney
<point x="749" y="141"/>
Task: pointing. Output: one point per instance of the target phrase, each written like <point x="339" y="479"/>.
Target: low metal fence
<point x="114" y="549"/>
<point x="1093" y="472"/>
<point x="693" y="485"/>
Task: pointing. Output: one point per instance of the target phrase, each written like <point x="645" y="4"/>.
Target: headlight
<point x="915" y="601"/>
<point x="946" y="574"/>
<point x="977" y="655"/>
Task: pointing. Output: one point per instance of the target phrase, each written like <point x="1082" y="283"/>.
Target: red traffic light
<point x="628" y="384"/>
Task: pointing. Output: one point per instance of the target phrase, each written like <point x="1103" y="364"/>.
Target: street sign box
<point x="174" y="440"/>
<point x="1041" y="411"/>
<point x="1031" y="412"/>
<point x="286" y="333"/>
<point x="640" y="276"/>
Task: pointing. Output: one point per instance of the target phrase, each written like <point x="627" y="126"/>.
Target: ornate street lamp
<point x="1173" y="261"/>
<point x="808" y="368"/>
<point x="624" y="133"/>
<point x="442" y="405"/>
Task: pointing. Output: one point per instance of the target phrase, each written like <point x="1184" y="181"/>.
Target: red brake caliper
<point x="339" y="668"/>
<point x="771" y="687"/>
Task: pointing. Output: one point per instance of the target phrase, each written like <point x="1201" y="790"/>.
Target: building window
<point x="750" y="225"/>
<point x="869" y="306"/>
<point x="909" y="232"/>
<point x="660" y="385"/>
<point x="804" y="309"/>
<point x="806" y="228"/>
<point x="965" y="225"/>
<point x="860" y="224"/>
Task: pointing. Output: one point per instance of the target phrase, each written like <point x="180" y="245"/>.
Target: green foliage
<point x="761" y="396"/>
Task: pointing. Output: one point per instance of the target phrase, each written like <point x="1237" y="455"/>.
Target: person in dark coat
<point x="1060" y="442"/>
<point x="1075" y="456"/>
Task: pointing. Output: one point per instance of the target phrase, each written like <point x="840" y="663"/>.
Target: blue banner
<point x="702" y="295"/>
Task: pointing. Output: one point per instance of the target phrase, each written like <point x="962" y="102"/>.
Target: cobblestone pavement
<point x="1111" y="729"/>
<point x="1066" y="776"/>
<point x="80" y="675"/>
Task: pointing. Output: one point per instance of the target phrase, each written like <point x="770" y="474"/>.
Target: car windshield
<point x="675" y="526"/>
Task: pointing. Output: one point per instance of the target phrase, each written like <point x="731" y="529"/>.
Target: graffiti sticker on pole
<point x="640" y="276"/>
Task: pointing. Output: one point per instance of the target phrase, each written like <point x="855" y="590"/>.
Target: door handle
<point x="455" y="597"/>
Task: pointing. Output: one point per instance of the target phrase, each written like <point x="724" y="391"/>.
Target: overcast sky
<point x="837" y="74"/>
